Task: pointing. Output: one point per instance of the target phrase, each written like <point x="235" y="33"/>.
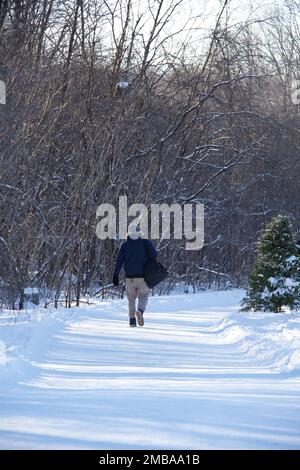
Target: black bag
<point x="154" y="271"/>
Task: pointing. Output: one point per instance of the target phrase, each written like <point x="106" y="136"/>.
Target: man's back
<point x="134" y="254"/>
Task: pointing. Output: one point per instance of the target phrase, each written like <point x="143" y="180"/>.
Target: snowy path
<point x="197" y="376"/>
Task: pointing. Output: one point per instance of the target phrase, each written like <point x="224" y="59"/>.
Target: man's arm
<point x="118" y="266"/>
<point x="120" y="261"/>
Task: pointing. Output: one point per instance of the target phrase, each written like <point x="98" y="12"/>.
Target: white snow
<point x="199" y="375"/>
<point x="288" y="282"/>
<point x="31" y="290"/>
<point x="292" y="259"/>
<point x="123" y="84"/>
<point x="2" y="353"/>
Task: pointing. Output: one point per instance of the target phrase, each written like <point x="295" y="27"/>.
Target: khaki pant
<point x="136" y="287"/>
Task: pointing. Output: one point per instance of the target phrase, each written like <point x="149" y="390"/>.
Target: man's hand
<point x="116" y="280"/>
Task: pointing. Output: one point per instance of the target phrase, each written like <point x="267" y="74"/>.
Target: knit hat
<point x="134" y="231"/>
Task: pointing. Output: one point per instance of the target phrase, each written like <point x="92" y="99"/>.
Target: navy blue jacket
<point x="134" y="256"/>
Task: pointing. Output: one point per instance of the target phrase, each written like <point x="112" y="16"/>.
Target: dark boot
<point x="132" y="321"/>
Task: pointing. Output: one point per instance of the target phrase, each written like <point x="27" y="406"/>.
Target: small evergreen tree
<point x="275" y="279"/>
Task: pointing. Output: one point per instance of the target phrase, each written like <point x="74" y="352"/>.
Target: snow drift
<point x="199" y="375"/>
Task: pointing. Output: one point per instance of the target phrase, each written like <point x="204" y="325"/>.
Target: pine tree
<point x="275" y="279"/>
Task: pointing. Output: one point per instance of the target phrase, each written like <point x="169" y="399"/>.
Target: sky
<point x="193" y="20"/>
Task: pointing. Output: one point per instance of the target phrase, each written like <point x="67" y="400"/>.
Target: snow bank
<point x="294" y="360"/>
<point x="271" y="338"/>
<point x="25" y="335"/>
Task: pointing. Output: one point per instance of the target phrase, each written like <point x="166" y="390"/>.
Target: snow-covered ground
<point x="199" y="375"/>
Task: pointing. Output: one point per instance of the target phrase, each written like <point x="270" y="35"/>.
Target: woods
<point x="116" y="98"/>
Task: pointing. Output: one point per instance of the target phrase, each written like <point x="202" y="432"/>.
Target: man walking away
<point x="134" y="253"/>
